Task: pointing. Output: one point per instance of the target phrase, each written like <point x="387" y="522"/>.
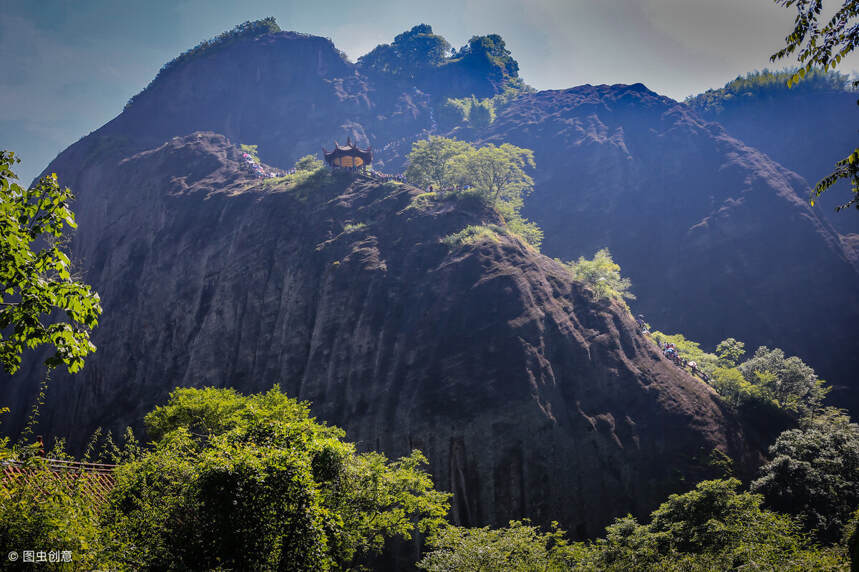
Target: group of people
<point x="669" y="350"/>
<point x="254" y="166"/>
<point x="388" y="177"/>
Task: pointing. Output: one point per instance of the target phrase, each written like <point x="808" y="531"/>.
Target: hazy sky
<point x="69" y="66"/>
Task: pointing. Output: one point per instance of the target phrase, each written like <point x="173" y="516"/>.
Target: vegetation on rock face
<point x="414" y="53"/>
<point x="494" y="174"/>
<point x="768" y="377"/>
<point x="36" y="274"/>
<point x="602" y="275"/>
<point x="249" y="29"/>
<point x="479" y="113"/>
<point x="472" y="234"/>
<point x="410" y="53"/>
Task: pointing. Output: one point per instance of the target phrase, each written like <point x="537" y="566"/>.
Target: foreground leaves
<point x="35" y="275"/>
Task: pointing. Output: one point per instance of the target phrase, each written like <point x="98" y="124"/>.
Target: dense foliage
<point x="519" y="547"/>
<point x="814" y="474"/>
<point x="767" y="378"/>
<point x="36" y="281"/>
<point x="493" y="174"/>
<point x="822" y="45"/>
<point x="409" y="54"/>
<point x="712" y="527"/>
<point x="765" y="85"/>
<point x="249" y="29"/>
<point x="256" y="483"/>
<point x="602" y="275"/>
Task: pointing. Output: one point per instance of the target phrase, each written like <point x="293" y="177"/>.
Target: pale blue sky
<point x="69" y="66"/>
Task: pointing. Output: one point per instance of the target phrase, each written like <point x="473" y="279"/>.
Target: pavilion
<point x="349" y="156"/>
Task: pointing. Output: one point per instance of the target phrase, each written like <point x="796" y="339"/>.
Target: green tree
<point x="409" y="54"/>
<point x="730" y="351"/>
<point x="602" y="275"/>
<point x="494" y="174"/>
<point x="823" y="45"/>
<point x="517" y="547"/>
<point x="481" y="113"/>
<point x="713" y="527"/>
<point x="814" y="474"/>
<point x="36" y="281"/>
<point x="497" y="173"/>
<point x="254" y="482"/>
<point x="688" y="349"/>
<point x="430" y="161"/>
<point x="309" y="163"/>
<point x="789" y="381"/>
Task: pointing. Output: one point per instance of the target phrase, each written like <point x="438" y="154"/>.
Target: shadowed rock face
<point x="806" y="131"/>
<point x="528" y="398"/>
<point x="713" y="234"/>
<point x="718" y="240"/>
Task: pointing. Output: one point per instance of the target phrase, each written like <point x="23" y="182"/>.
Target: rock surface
<point x="528" y="398"/>
<point x="718" y="239"/>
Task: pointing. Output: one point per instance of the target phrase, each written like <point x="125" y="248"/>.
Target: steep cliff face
<point x="806" y="131"/>
<point x="717" y="238"/>
<point x="528" y="398"/>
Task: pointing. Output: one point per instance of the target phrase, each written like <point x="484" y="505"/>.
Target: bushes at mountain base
<point x="519" y="546"/>
<point x="229" y="482"/>
<point x="713" y="527"/>
<point x="42" y="510"/>
<point x="814" y="474"/>
<point x="494" y="174"/>
<point x="255" y="482"/>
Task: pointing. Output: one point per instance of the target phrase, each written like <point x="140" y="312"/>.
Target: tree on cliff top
<point x="409" y="53"/>
<point x="823" y="48"/>
<point x="35" y="274"/>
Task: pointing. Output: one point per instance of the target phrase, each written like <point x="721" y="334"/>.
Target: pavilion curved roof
<point x="350" y="149"/>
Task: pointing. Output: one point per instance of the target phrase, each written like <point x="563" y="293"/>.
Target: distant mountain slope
<point x="718" y="239"/>
<point x="806" y="128"/>
<point x="528" y="398"/>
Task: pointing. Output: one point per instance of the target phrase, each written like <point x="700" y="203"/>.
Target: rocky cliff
<point x="805" y="129"/>
<point x="718" y="239"/>
<point x="528" y="398"/>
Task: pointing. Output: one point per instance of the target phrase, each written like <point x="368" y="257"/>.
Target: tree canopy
<point x="409" y="53"/>
<point x="822" y="45"/>
<point x="602" y="275"/>
<point x="814" y="474"/>
<point x="254" y="482"/>
<point x="36" y="281"/>
<point x="495" y="174"/>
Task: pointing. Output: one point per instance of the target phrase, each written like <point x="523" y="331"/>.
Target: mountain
<point x="527" y="397"/>
<point x="718" y="239"/>
<point x="806" y="128"/>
